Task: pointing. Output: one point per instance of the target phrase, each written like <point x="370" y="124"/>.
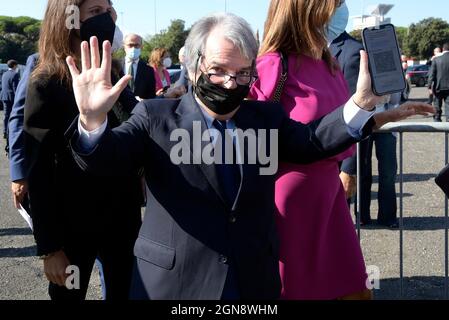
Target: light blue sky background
<point x="139" y="15"/>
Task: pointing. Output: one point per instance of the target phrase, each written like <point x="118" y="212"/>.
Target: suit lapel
<point x="192" y="120"/>
<point x="139" y="72"/>
<point x="244" y="120"/>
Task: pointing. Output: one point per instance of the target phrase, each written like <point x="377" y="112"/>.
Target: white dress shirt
<point x="128" y="64"/>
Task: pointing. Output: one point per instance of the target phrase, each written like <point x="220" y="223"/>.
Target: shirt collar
<point x="207" y="117"/>
<point x="210" y="120"/>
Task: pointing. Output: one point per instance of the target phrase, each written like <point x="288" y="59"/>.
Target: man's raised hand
<point x="94" y="93"/>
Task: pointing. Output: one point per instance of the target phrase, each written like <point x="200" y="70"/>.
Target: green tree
<point x="424" y="36"/>
<point x="172" y="39"/>
<point x="356" y="34"/>
<point x="18" y="38"/>
<point x="401" y="33"/>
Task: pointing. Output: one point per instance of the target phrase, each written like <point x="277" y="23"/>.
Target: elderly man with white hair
<point x="209" y="230"/>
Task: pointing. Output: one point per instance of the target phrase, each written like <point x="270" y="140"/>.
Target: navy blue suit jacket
<point x="17" y="163"/>
<point x="10" y="80"/>
<point x="190" y="231"/>
<point x="347" y="51"/>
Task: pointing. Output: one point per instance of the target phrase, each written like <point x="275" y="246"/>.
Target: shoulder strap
<point x="282" y="78"/>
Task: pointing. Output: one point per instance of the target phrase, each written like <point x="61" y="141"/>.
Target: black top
<point x="64" y="199"/>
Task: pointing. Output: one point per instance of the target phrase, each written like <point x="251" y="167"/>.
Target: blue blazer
<point x="10" y="81"/>
<point x="18" y="167"/>
<point x="190" y="231"/>
<point x="346" y="50"/>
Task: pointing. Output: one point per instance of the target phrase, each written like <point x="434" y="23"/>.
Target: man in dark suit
<point x="17" y="158"/>
<point x="346" y="50"/>
<point x="143" y="83"/>
<point x="213" y="236"/>
<point x="439" y="80"/>
<point x="10" y="81"/>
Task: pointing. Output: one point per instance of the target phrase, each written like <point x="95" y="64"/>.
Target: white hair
<point x="233" y="28"/>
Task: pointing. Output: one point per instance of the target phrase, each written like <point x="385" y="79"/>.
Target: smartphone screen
<point x="385" y="64"/>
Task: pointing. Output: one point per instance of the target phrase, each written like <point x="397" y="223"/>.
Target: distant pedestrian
<point x="439" y="81"/>
<point x="10" y="81"/>
<point x="436" y="53"/>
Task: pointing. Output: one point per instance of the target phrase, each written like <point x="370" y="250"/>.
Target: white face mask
<point x="118" y="40"/>
<point x="133" y="54"/>
<point x="167" y="63"/>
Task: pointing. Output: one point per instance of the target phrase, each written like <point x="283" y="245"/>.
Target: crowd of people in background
<point x="221" y="232"/>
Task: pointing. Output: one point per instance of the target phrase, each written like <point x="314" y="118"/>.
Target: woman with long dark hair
<point x="77" y="216"/>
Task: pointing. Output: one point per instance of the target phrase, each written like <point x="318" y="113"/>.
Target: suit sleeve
<point x="18" y="166"/>
<point x="120" y="151"/>
<point x="321" y="139"/>
<point x="15" y="82"/>
<point x="40" y="146"/>
<point x="432" y="75"/>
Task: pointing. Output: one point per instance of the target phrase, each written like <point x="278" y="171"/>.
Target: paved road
<point x="21" y="273"/>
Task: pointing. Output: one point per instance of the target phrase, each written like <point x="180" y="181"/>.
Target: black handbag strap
<point x="282" y="79"/>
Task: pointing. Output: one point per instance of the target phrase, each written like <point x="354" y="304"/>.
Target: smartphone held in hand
<point x="385" y="65"/>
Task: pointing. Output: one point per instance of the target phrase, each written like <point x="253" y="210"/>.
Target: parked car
<point x="175" y="72"/>
<point x="418" y="75"/>
<point x="406" y="92"/>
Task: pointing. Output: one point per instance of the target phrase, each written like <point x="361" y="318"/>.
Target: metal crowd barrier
<point x="401" y="128"/>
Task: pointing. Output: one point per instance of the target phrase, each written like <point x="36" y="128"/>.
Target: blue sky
<point x="139" y="15"/>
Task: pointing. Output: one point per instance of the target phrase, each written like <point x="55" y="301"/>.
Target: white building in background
<point x="376" y="18"/>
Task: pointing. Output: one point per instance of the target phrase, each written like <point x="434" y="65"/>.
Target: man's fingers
<point x="85" y="56"/>
<point x="94" y="52"/>
<point x="61" y="279"/>
<point x="120" y="86"/>
<point x="51" y="278"/>
<point x="16" y="202"/>
<point x="72" y="67"/>
<point x="364" y="67"/>
<point x="106" y="64"/>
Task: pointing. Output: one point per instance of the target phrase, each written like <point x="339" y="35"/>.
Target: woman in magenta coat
<point x="320" y="256"/>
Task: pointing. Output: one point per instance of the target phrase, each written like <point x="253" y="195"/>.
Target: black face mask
<point x="101" y="26"/>
<point x="220" y="100"/>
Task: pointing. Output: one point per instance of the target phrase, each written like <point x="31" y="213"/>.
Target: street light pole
<point x="155" y="18"/>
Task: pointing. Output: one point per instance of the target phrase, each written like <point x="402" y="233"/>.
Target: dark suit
<point x="190" y="232"/>
<point x="439" y="82"/>
<point x="17" y="159"/>
<point x="144" y="82"/>
<point x="96" y="228"/>
<point x="10" y="81"/>
<point x="347" y="51"/>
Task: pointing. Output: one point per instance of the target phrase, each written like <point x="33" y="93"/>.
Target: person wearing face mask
<point x="77" y="216"/>
<point x="160" y="61"/>
<point x="346" y="50"/>
<point x="143" y="82"/>
<point x="214" y="235"/>
<point x="320" y="255"/>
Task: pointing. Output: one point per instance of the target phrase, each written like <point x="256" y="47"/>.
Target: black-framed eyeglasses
<point x="243" y="78"/>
